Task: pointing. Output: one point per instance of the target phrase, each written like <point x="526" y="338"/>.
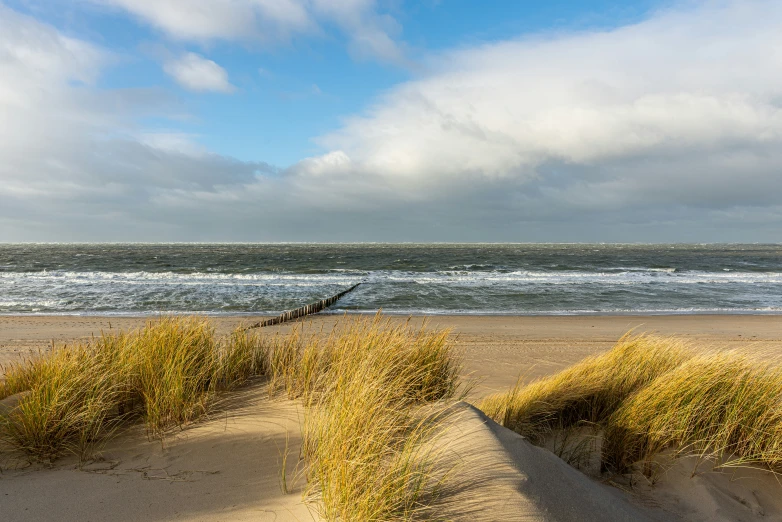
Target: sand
<point x="498" y="349"/>
<point x="228" y="467"/>
<point x="225" y="468"/>
<point x="501" y="476"/>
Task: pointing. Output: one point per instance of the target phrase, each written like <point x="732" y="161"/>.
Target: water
<point x="431" y="279"/>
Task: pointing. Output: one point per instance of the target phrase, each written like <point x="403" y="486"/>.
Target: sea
<point x="473" y="279"/>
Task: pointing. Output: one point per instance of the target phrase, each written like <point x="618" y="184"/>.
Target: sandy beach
<point x="385" y="261"/>
<point x="228" y="466"/>
<point x="498" y="349"/>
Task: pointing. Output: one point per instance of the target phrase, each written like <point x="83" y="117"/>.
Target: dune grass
<point x="375" y="395"/>
<point x="726" y="405"/>
<point x="67" y="404"/>
<point x="366" y="437"/>
<point x="589" y="391"/>
<point x="651" y="394"/>
<point x="166" y="373"/>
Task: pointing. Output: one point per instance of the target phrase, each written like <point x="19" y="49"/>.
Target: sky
<point x="391" y="120"/>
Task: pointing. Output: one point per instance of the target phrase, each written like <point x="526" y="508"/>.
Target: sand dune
<point x="501" y="476"/>
<point x="692" y="489"/>
<point x="504" y="477"/>
<point x="228" y="466"/>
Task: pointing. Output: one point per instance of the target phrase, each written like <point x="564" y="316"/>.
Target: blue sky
<point x="287" y="93"/>
<point x="443" y="120"/>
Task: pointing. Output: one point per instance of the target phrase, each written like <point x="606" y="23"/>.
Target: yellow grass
<point x="365" y="439"/>
<point x="720" y="405"/>
<point x="650" y="394"/>
<point x="67" y="404"/>
<point x="589" y="391"/>
<point x="166" y="373"/>
<point x="375" y="396"/>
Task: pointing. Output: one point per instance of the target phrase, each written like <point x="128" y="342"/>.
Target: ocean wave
<point x="347" y="276"/>
<point x="426" y="311"/>
<point x="198" y="278"/>
<point x="651" y="290"/>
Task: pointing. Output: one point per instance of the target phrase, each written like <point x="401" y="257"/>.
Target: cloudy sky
<point x="362" y="120"/>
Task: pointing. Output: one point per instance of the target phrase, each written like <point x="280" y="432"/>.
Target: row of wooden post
<point x="305" y="310"/>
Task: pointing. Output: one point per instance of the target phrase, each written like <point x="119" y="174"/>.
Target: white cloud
<point x="73" y="162"/>
<point x="688" y="100"/>
<point x="218" y="19"/>
<point x="371" y="34"/>
<point x="670" y="129"/>
<point x="196" y="73"/>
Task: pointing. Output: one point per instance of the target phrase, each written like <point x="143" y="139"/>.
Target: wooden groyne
<point x="305" y="310"/>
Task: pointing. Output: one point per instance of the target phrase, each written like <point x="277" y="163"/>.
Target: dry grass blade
<point x="375" y="396"/>
<point x="588" y="391"/>
<point x="167" y="372"/>
<point x="650" y="394"/>
<point x="373" y="392"/>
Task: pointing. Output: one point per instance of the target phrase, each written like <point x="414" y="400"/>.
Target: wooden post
<point x="303" y="311"/>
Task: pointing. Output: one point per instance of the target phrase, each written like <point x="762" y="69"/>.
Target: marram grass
<point x="374" y="394"/>
<point x="720" y="405"/>
<point x="72" y="397"/>
<point x="66" y="405"/>
<point x="589" y="391"/>
<point x="651" y="394"/>
<point x="366" y="440"/>
<point x="376" y="398"/>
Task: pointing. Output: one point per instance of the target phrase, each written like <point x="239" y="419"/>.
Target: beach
<point x="228" y="466"/>
<point x="391" y="261"/>
<point x="498" y="349"/>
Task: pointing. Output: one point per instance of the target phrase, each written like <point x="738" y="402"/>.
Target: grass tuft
<point x="726" y="404"/>
<point x="650" y="394"/>
<point x="366" y="440"/>
<point x="166" y="373"/>
<point x="66" y="404"/>
<point x="589" y="391"/>
<point x="376" y="397"/>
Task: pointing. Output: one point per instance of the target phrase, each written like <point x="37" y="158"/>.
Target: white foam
<point x="339" y="276"/>
<point x="626" y="289"/>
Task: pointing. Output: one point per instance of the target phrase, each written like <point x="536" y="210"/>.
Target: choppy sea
<point x="399" y="278"/>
